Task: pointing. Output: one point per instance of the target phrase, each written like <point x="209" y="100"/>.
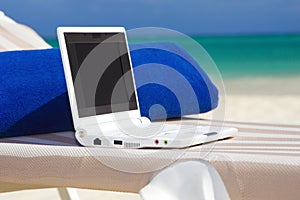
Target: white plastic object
<point x="192" y="180"/>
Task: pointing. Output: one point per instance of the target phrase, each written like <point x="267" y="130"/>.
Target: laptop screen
<point x="101" y="73"/>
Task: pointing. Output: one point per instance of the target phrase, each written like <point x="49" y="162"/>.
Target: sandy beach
<point x="263" y="99"/>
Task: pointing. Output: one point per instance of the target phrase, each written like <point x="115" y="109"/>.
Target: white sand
<point x="285" y="85"/>
<point x="280" y="109"/>
<point x="275" y="100"/>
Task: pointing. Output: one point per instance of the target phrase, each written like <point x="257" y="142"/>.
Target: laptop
<point x="103" y="97"/>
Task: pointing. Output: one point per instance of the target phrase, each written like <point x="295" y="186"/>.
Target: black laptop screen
<point x="101" y="73"/>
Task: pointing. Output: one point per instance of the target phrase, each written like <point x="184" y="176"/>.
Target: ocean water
<point x="248" y="56"/>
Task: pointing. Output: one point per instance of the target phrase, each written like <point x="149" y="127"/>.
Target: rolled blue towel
<point x="33" y="94"/>
<point x="170" y="77"/>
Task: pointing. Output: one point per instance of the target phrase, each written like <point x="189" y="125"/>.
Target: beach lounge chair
<point x="15" y="36"/>
<point x="261" y="162"/>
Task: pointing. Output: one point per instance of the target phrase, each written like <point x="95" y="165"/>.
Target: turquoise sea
<point x="247" y="56"/>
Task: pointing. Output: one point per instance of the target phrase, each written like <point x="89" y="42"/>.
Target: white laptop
<point x="103" y="99"/>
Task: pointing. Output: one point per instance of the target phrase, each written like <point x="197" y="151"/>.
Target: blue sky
<point x="187" y="16"/>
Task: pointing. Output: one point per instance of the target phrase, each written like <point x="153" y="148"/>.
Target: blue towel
<point x="170" y="77"/>
<point x="33" y="94"/>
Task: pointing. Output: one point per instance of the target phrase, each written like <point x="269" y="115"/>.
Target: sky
<point x="205" y="17"/>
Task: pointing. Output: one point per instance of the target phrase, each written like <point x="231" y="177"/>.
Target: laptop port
<point x="118" y="142"/>
<point x="97" y="141"/>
